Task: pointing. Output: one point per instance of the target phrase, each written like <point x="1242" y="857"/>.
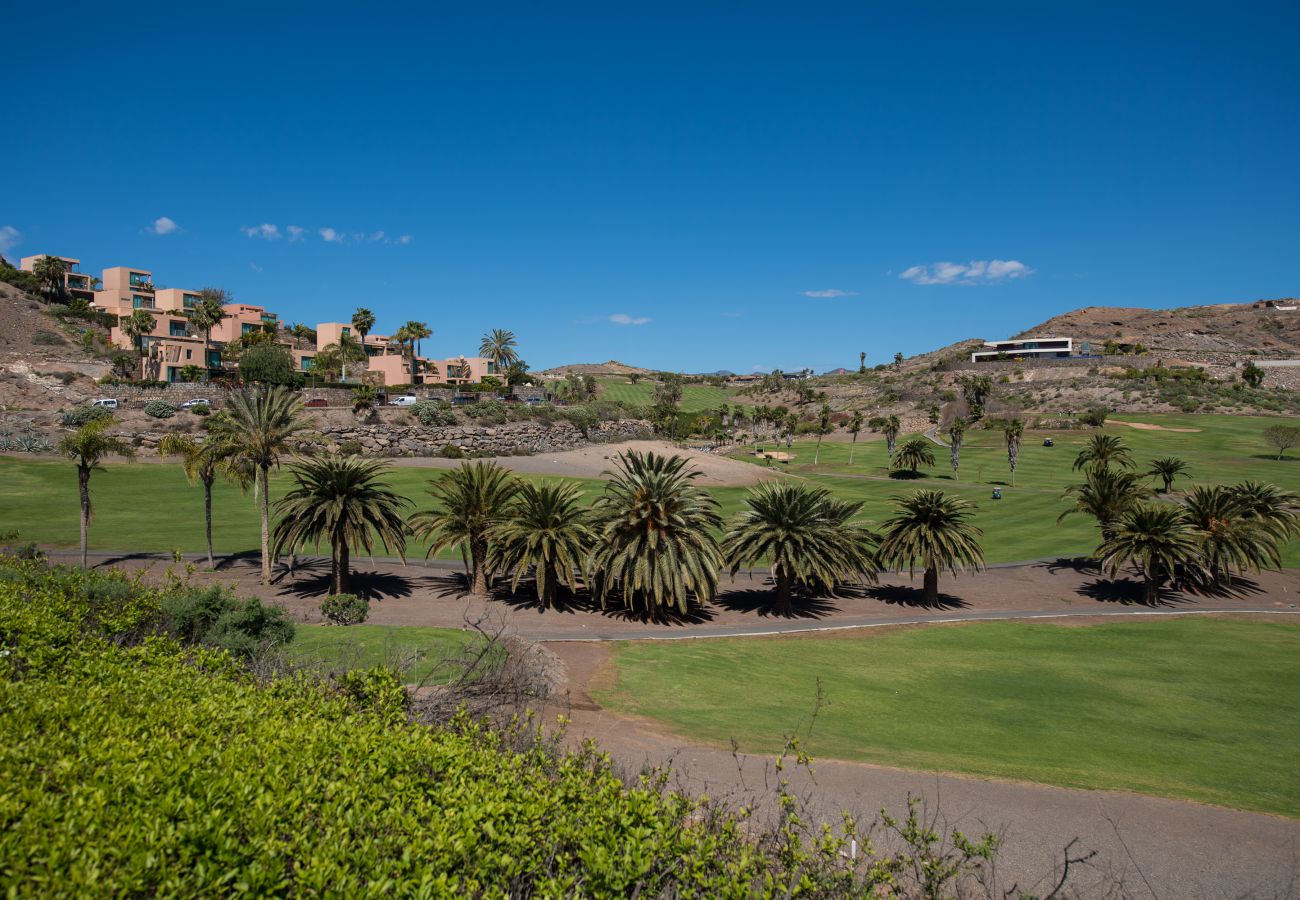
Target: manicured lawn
<point x="1200" y="709"/>
<point x="694" y="396"/>
<point x="418" y="653"/>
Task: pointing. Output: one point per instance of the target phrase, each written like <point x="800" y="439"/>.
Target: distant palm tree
<point x="363" y="320"/>
<point x="932" y="531"/>
<point x="1276" y="510"/>
<point x="823" y="429"/>
<point x="499" y="346"/>
<point x="349" y="349"/>
<point x="545" y="529"/>
<point x="654" y="534"/>
<point x="303" y="334"/>
<point x="416" y="332"/>
<point x="804" y="534"/>
<point x="891" y="427"/>
<point x="1013" y="430"/>
<point x="258" y="426"/>
<point x="1230" y="540"/>
<point x="914" y="453"/>
<point x="206" y="315"/>
<point x="1158" y="537"/>
<point x="956" y="431"/>
<point x="1167" y="468"/>
<point x="87" y="446"/>
<point x="51" y="272"/>
<point x="136" y="326"/>
<point x="1106" y="495"/>
<point x="862" y="362"/>
<point x="345" y="502"/>
<point x="201" y="461"/>
<point x="472" y="501"/>
<point x="855" y="426"/>
<point x="1103" y="450"/>
<point x="790" y="423"/>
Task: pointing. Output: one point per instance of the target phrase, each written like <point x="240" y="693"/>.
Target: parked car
<point x="106" y="402"/>
<point x="316" y="402"/>
<point x="404" y="400"/>
<point x="197" y="401"/>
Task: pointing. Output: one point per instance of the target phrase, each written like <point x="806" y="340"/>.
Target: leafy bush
<point x="48" y="339"/>
<point x="19" y="278"/>
<point x="1096" y="416"/>
<point x="80" y="415"/>
<point x="160" y="409"/>
<point x="350" y="447"/>
<point x="267" y="363"/>
<point x="201" y="409"/>
<point x="451" y="451"/>
<point x="434" y="413"/>
<point x="345" y="609"/>
<point x="492" y="412"/>
<point x="213" y="616"/>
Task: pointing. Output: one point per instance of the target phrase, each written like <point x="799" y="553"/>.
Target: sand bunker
<point x="1147" y="426"/>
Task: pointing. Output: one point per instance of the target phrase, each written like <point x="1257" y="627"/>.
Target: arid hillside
<point x="44" y="360"/>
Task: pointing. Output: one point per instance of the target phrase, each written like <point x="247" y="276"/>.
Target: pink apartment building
<point x="78" y="285"/>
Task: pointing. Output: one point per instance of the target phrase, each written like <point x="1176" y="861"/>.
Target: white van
<point x="106" y="402"/>
<point x="404" y="400"/>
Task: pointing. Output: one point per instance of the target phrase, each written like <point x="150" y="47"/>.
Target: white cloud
<point x="295" y="233"/>
<point x="9" y="237"/>
<point x="405" y="239"/>
<point x="625" y="319"/>
<point x="266" y="231"/>
<point x="163" y="225"/>
<point x="977" y="271"/>
<point x="255" y="267"/>
<point x="376" y="236"/>
<point x="830" y="292"/>
<point x="331" y="236"/>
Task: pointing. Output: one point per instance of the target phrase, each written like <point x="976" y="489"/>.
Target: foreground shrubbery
<point x="136" y="763"/>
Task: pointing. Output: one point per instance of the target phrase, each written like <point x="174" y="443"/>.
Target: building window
<point x="189" y="354"/>
<point x="178" y="329"/>
<point x="306" y="363"/>
<point x="248" y="329"/>
<point x="189" y="300"/>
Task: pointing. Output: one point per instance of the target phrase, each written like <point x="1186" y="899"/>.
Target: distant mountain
<point x="613" y="367"/>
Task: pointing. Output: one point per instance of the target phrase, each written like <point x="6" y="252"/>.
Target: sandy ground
<point x="1147" y="426"/>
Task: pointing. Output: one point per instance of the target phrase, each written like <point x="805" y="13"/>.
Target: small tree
<point x="913" y="454"/>
<point x="266" y="364"/>
<point x="1283" y="437"/>
<point x="891" y="427"/>
<point x="823" y="429"/>
<point x="956" y="431"/>
<point x="87" y="446"/>
<point x="200" y="461"/>
<point x="855" y="425"/>
<point x="50" y="271"/>
<point x="1014" y="429"/>
<point x="898" y="360"/>
<point x="1167" y="468"/>
<point x="1252" y="374"/>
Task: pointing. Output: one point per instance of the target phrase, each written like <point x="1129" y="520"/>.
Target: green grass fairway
<point x="1200" y="709"/>
<point x="416" y="652"/>
<point x="695" y="397"/>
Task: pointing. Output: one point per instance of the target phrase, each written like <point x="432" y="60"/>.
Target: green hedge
<point x="135" y="764"/>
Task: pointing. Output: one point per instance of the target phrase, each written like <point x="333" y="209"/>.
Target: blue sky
<point x="689" y="186"/>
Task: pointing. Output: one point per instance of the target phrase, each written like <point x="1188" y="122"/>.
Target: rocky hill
<point x="44" y="360"/>
<point x="613" y="367"/>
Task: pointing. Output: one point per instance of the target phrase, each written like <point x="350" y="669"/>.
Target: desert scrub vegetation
<point x="138" y="763"/>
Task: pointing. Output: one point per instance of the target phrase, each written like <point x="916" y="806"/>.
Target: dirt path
<point x="1155" y="847"/>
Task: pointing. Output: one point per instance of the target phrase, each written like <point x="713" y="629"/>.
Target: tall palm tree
<point x="51" y="272"/>
<point x="862" y="362"/>
<point x="345" y="501"/>
<point x="1167" y="468"/>
<point x="1106" y="495"/>
<point x="654" y="534"/>
<point x="258" y="426"/>
<point x="472" y="501"/>
<point x="207" y="315"/>
<point x="416" y="332"/>
<point x="931" y="530"/>
<point x="349" y="349"/>
<point x="1230" y="540"/>
<point x="1103" y="450"/>
<point x="87" y="446"/>
<point x="201" y="461"/>
<point x="891" y="427"/>
<point x="956" y="432"/>
<point x="804" y="535"/>
<point x="1013" y="430"/>
<point x="1158" y="537"/>
<point x="136" y="326"/>
<point x="823" y="429"/>
<point x="855" y="426"/>
<point x="545" y="529"/>
<point x="499" y="346"/>
<point x="363" y="320"/>
<point x="914" y="453"/>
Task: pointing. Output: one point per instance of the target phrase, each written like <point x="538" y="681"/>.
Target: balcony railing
<point x="141" y="285"/>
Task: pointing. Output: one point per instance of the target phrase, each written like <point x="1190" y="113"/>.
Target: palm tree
<point x="363" y="320"/>
<point x="956" y="431"/>
<point x="1106" y="495"/>
<point x="545" y="529"/>
<point x="804" y="535"/>
<point x="349" y="349"/>
<point x="654" y="534"/>
<point x="345" y="501"/>
<point x="855" y="425"/>
<point x="136" y="326"/>
<point x="790" y="423"/>
<point x="1158" y="537"/>
<point x="303" y="334"/>
<point x="914" y="453"/>
<point x="891" y="427"/>
<point x="1230" y="540"/>
<point x="862" y="362"/>
<point x="200" y="461"/>
<point x="823" y="429"/>
<point x="87" y="446"/>
<point x="472" y="502"/>
<point x="1275" y="510"/>
<point x="931" y="530"/>
<point x="1101" y="451"/>
<point x="258" y="426"/>
<point x="207" y="315"/>
<point x="1014" y="429"/>
<point x="416" y="332"/>
<point x="51" y="272"/>
<point x="499" y="345"/>
<point x="1167" y="468"/>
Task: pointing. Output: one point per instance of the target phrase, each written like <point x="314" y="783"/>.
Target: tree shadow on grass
<point x="1129" y="592"/>
<point x="763" y="603"/>
<point x="912" y="597"/>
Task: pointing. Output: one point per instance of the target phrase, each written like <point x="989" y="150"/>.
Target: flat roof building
<point x="1026" y="348"/>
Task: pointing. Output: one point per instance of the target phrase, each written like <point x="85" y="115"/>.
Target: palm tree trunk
<point x="207" y="376"/>
<point x="207" y="517"/>
<point x="547" y="594"/>
<point x="478" y="552"/>
<point x="818" y="455"/>
<point x="342" y="565"/>
<point x="83" y="485"/>
<point x="853" y="447"/>
<point x="930" y="591"/>
<point x="1151" y="582"/>
<point x="264" y="474"/>
<point x="784" y="590"/>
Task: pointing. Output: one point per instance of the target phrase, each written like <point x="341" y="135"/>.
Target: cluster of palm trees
<point x="1215" y="533"/>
